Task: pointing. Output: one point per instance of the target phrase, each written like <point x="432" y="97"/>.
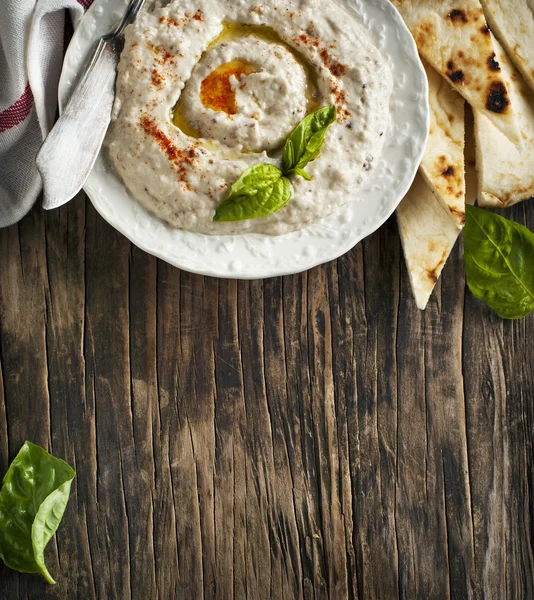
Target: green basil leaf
<point x="253" y="180"/>
<point x="499" y="262"/>
<point x="34" y="494"/>
<point x="262" y="202"/>
<point x="307" y="138"/>
<point x="288" y="154"/>
<point x="313" y="148"/>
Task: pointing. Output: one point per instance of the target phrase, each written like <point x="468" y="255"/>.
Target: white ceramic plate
<point x="254" y="256"/>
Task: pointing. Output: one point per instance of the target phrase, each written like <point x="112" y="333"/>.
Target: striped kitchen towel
<point x="31" y="55"/>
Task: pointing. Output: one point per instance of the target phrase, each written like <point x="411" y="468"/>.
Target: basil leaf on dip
<point x="305" y="141"/>
<point x="259" y="191"/>
<point x="499" y="262"/>
<point x="33" y="498"/>
<point x="254" y="179"/>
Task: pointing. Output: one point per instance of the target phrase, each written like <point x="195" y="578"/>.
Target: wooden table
<point x="312" y="436"/>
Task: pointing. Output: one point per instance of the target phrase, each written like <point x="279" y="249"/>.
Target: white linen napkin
<point x="31" y="55"/>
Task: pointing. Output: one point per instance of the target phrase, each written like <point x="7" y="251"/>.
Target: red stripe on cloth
<point x="18" y="111"/>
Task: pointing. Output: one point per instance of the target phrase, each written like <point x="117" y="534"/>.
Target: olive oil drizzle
<point x="236" y="31"/>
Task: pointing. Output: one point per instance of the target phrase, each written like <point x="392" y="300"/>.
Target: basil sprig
<point x="264" y="189"/>
<point x="33" y="498"/>
<point x="499" y="262"/>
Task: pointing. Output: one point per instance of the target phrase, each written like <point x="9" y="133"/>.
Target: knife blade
<point x="70" y="149"/>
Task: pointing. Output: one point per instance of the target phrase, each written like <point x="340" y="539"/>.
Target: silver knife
<point x="70" y="149"/>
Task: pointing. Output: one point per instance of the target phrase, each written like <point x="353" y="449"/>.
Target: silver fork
<point x="70" y="149"/>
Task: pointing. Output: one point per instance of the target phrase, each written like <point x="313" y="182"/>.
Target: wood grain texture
<point x="312" y="436"/>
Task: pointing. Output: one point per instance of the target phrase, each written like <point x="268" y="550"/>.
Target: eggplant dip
<point x="236" y="117"/>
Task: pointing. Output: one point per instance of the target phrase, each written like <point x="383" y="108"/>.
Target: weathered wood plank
<point x="300" y="439"/>
<point x="23" y="306"/>
<point x="446" y="464"/>
<point x="196" y="486"/>
<point x="373" y="453"/>
<point x="23" y="288"/>
<point x="349" y="330"/>
<point x="436" y="548"/>
<point x="167" y="364"/>
<point x="107" y="365"/>
<point x="257" y="431"/>
<point x="230" y="450"/>
<point x="286" y="576"/>
<point x="331" y="526"/>
<point x="140" y="488"/>
<point x="419" y="551"/>
<point x="518" y="364"/>
<point x="72" y="420"/>
<point x="4" y="434"/>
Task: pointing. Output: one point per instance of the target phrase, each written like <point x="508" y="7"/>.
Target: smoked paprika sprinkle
<point x="182" y="158"/>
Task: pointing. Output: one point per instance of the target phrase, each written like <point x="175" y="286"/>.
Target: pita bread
<point x="512" y="21"/>
<point x="454" y="38"/>
<point x="428" y="235"/>
<point x="505" y="169"/>
<point x="443" y="162"/>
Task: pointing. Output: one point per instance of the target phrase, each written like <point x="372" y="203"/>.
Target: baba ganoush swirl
<point x="206" y="89"/>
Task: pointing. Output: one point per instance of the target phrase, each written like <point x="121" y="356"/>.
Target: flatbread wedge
<point x="428" y="235"/>
<point x="512" y="21"/>
<point x="506" y="169"/>
<point x="453" y="36"/>
<point x="443" y="164"/>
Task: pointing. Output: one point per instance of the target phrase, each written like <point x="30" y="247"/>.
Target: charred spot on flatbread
<point x="446" y="170"/>
<point x="493" y="63"/>
<point x="458" y="214"/>
<point x="485" y="30"/>
<point x="433" y="274"/>
<point x="497" y="100"/>
<point x="454" y="74"/>
<point x="457" y="16"/>
<point x="425" y="33"/>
